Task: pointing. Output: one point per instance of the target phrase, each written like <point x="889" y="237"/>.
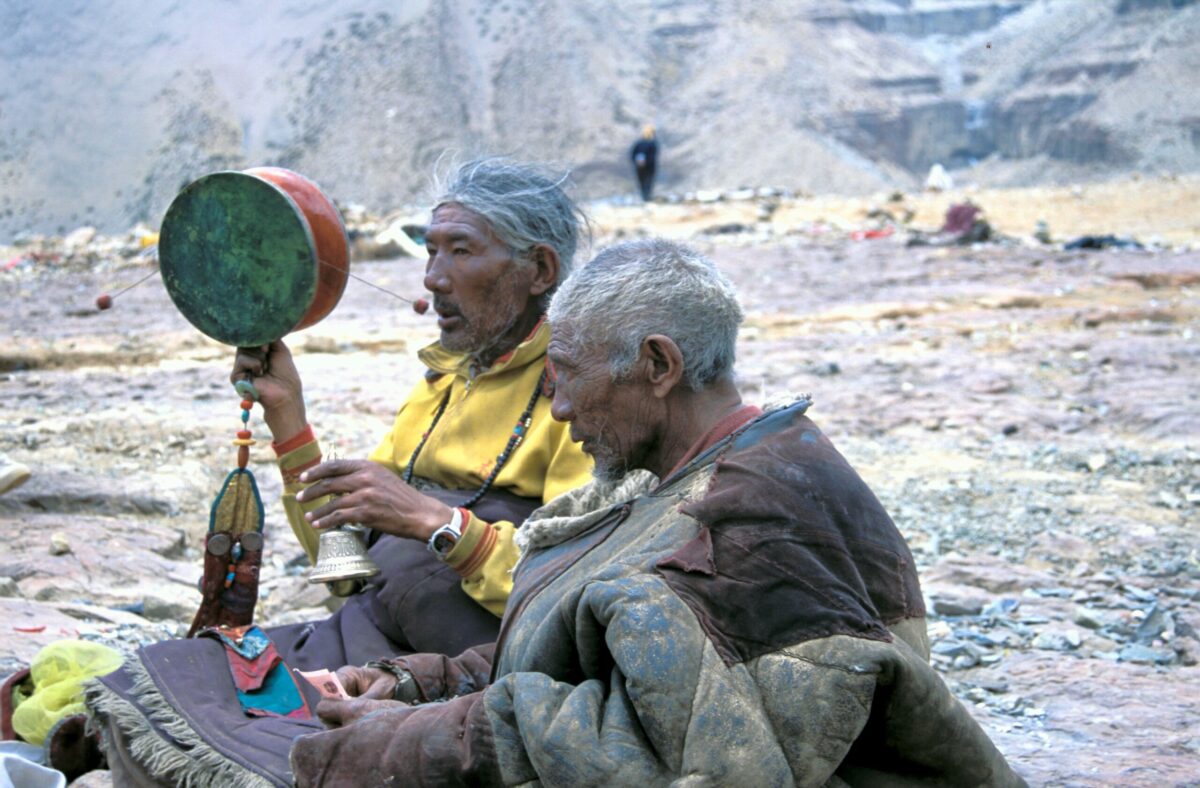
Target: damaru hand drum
<point x="248" y="257"/>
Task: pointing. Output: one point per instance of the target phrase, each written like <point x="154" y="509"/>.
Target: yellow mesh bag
<point x="58" y="672"/>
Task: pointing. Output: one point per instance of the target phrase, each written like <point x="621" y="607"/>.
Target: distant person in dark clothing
<point x="645" y="157"/>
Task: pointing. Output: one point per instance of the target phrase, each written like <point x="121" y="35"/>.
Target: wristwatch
<point x="443" y="539"/>
<point x="406" y="689"/>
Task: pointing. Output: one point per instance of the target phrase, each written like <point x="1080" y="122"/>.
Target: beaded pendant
<point x="234" y="543"/>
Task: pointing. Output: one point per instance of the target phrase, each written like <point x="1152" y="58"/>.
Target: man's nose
<point x="437" y="274"/>
<point x="560" y="406"/>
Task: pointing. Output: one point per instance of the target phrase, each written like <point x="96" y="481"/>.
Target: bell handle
<point x="245" y="386"/>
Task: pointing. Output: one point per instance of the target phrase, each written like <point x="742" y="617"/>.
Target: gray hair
<point x="653" y="286"/>
<point x="525" y="204"/>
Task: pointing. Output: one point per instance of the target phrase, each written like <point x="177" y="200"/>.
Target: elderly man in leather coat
<point x="751" y="616"/>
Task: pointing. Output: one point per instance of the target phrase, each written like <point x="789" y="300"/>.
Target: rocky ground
<point x="1027" y="415"/>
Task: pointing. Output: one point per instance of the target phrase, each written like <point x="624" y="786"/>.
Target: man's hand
<point x="335" y="713"/>
<point x="372" y="495"/>
<point x="279" y="390"/>
<point x="369" y="683"/>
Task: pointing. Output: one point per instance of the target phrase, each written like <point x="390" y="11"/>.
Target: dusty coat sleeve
<point x="444" y="742"/>
<point x="437" y="744"/>
<point x="666" y="708"/>
<point x="439" y="677"/>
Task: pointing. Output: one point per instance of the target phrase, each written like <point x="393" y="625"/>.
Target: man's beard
<point x="608" y="465"/>
<point x="479" y="340"/>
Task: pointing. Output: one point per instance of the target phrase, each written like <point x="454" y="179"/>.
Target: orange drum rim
<point x="331" y="244"/>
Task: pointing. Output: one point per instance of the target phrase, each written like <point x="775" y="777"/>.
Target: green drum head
<point x="237" y="258"/>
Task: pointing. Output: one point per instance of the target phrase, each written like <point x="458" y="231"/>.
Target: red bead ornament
<point x="247" y="404"/>
<point x="103" y="301"/>
<point x="243" y="434"/>
<point x="420" y="306"/>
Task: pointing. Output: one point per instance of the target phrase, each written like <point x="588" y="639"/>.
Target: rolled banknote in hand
<point x="327" y="683"/>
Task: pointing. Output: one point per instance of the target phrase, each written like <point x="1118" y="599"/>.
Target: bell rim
<point x="333" y="577"/>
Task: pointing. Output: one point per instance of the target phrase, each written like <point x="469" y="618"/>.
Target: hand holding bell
<point x="370" y="494"/>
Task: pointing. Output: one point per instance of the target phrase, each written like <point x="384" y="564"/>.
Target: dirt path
<point x="1027" y="416"/>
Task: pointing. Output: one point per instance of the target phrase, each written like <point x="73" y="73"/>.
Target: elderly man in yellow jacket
<point x="472" y="450"/>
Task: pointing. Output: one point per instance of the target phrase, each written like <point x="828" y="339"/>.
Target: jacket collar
<point x="452" y="362"/>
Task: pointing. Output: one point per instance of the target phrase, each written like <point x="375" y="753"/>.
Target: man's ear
<point x="663" y="364"/>
<point x="545" y="275"/>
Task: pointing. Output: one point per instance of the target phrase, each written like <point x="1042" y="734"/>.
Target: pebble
<point x="9" y="588"/>
<point x="1052" y="640"/>
<point x="1092" y="619"/>
<point x="157" y="609"/>
<point x="1156" y="624"/>
<point x="950" y="607"/>
<point x="59" y="545"/>
<point x="1139" y="594"/>
<point x="1144" y="655"/>
<point x="1002" y="607"/>
<point x="1170" y="500"/>
<point x="1061" y="593"/>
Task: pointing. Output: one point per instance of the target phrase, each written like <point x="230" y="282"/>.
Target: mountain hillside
<point x="107" y="107"/>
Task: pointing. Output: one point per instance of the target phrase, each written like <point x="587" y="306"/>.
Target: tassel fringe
<point x="192" y="764"/>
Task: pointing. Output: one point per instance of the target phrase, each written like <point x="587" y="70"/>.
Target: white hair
<point x="525" y="204"/>
<point x="653" y="286"/>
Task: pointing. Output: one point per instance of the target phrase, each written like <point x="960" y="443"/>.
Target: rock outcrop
<point x="108" y="106"/>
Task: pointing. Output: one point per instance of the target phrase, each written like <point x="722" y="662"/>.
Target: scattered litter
<point x="938" y="179"/>
<point x="869" y="235"/>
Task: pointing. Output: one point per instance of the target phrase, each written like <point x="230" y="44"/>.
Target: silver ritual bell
<point x="342" y="555"/>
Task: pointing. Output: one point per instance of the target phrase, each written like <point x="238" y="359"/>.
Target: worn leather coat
<point x="756" y="620"/>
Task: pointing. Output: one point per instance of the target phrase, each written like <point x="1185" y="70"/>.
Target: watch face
<point x="444" y="543"/>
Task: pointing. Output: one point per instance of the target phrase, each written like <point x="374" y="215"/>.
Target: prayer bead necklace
<point x="520" y="430"/>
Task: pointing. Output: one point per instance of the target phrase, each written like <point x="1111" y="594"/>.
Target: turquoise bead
<point x="245" y="416"/>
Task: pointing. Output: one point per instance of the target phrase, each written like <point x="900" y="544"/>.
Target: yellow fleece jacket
<point x="480" y="415"/>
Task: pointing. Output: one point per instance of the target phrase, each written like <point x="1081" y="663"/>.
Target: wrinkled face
<point x="611" y="419"/>
<point x="479" y="293"/>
